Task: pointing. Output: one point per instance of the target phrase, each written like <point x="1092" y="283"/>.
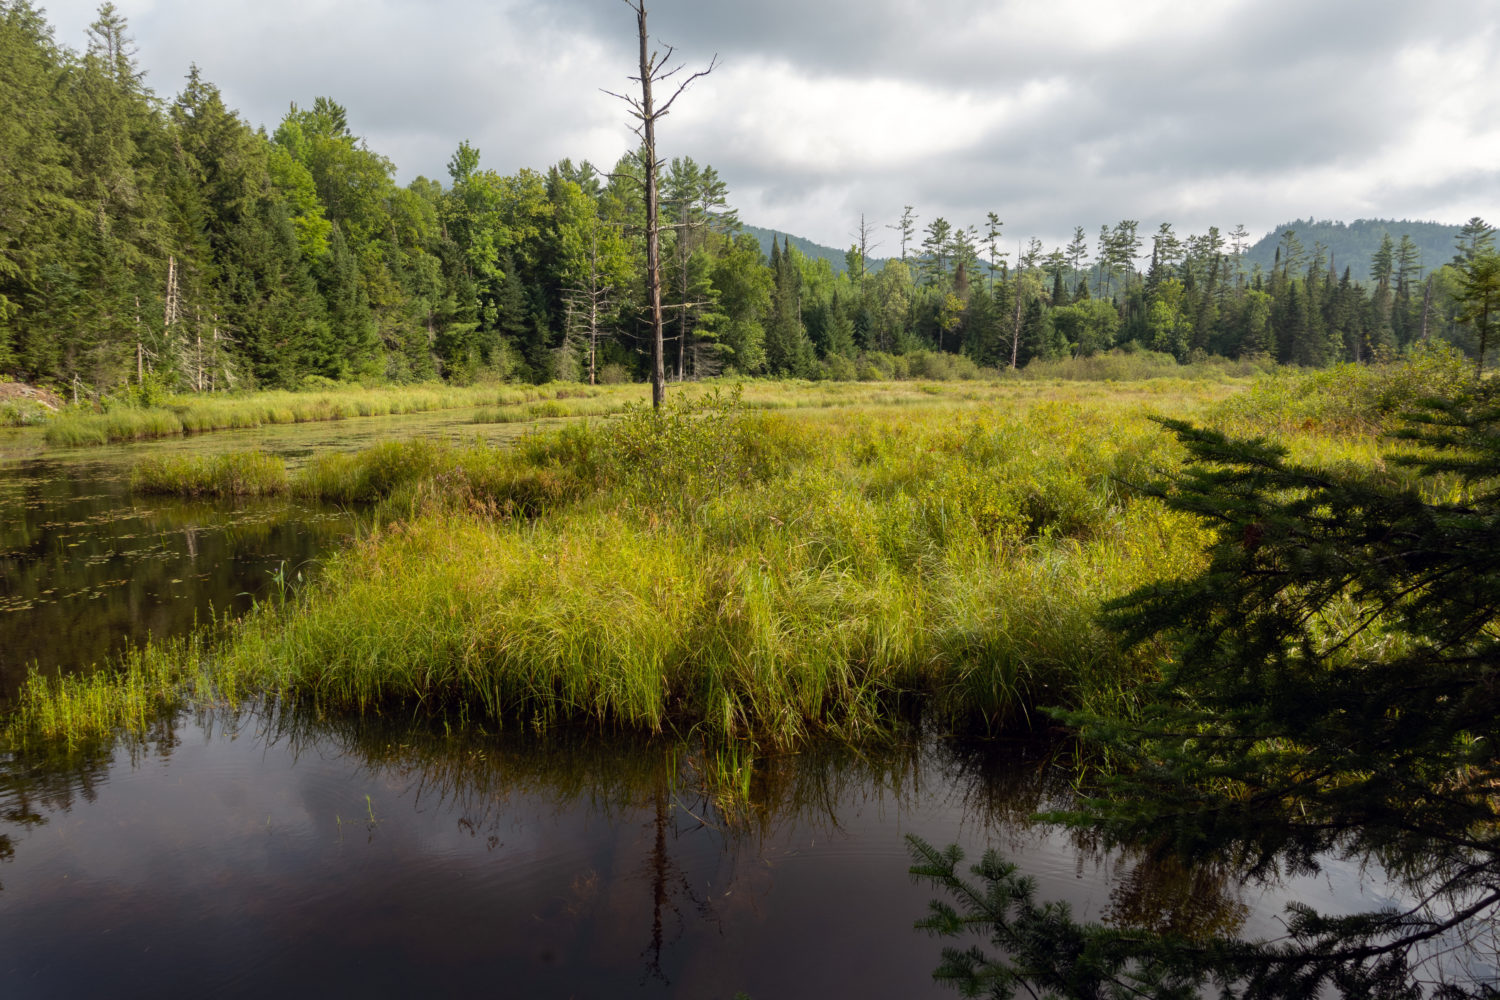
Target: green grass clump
<point x="234" y="474"/>
<point x="147" y="686"/>
<point x="1133" y="366"/>
<point x="743" y="573"/>
<point x="1346" y="400"/>
<point x="23" y="413"/>
<point x="74" y="428"/>
<point x="372" y="474"/>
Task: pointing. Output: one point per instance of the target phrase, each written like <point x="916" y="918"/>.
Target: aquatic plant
<point x="194" y="414"/>
<point x="233" y="474"/>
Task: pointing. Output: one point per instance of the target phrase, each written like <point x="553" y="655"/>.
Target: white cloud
<point x="1076" y="112"/>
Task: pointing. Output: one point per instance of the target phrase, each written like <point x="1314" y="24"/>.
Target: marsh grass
<point x="233" y="474"/>
<point x="738" y="572"/>
<point x="1134" y="366"/>
<point x="1346" y="400"/>
<point x="144" y="688"/>
<point x="749" y="564"/>
<point x="589" y="405"/>
<point x="199" y="414"/>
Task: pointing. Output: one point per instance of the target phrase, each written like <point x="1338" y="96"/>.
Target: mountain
<point x="808" y="248"/>
<point x="1353" y="245"/>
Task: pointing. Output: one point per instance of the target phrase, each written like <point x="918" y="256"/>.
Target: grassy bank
<point x="772" y="573"/>
<point x="199" y="414"/>
<point x="898" y="381"/>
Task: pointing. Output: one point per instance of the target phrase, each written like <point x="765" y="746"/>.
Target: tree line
<point x="167" y="242"/>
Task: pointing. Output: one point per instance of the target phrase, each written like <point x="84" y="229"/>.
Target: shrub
<point x="613" y="373"/>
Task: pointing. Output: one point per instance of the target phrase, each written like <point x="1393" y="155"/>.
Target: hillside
<point x="1353" y="244"/>
<point x="808" y="248"/>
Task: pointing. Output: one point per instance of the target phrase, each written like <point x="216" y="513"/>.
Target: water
<point x="235" y="855"/>
<point x="87" y="569"/>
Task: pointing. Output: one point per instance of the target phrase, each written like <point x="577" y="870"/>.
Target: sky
<point x="817" y="112"/>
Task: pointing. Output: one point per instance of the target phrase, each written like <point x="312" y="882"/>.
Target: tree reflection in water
<point x="674" y="844"/>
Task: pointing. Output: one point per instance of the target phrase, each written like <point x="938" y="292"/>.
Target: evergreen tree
<point x="1326" y="692"/>
<point x="788" y="349"/>
<point x="351" y="341"/>
<point x="35" y="201"/>
<point x="1479" y="299"/>
<point x="1076" y="250"/>
<point x="745" y="290"/>
<point x="1476" y="237"/>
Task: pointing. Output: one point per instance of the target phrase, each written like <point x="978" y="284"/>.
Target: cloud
<point x="1077" y="112"/>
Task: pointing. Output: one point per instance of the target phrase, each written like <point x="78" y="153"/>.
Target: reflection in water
<point x="267" y="850"/>
<point x="1167" y="896"/>
<point x="85" y="568"/>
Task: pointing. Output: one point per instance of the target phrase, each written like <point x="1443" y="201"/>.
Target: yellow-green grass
<point x="192" y="414"/>
<point x="232" y="474"/>
<point x="771" y="574"/>
<point x="144" y="687"/>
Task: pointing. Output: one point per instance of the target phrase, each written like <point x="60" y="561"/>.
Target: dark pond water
<point x="86" y="568"/>
<point x="237" y="855"/>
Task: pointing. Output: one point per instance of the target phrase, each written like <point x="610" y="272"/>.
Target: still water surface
<point x="236" y="855"/>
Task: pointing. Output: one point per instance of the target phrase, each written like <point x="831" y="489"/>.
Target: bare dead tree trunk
<point x="593" y="340"/>
<point x="648" y="116"/>
<point x="587" y="298"/>
<point x="170" y="314"/>
<point x="644" y="110"/>
<point x="140" y="351"/>
<point x="1426" y="306"/>
<point x="1015" y="333"/>
<point x="684" y="254"/>
<point x="863" y="235"/>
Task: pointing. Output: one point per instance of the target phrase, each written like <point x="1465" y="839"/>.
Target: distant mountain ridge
<point x="1352" y="245"/>
<point x="1349" y="244"/>
<point x="808" y="248"/>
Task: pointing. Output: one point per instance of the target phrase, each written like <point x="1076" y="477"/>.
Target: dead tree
<point x="587" y="301"/>
<point x="862" y="241"/>
<point x="654" y="71"/>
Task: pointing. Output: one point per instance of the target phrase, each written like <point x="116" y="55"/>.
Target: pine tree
<point x="1328" y="691"/>
<point x="788" y="349"/>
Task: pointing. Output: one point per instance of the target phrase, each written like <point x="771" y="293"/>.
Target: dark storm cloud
<point x="1072" y="113"/>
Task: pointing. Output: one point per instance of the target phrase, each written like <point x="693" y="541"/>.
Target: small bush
<point x="613" y="374"/>
<point x="840" y="368"/>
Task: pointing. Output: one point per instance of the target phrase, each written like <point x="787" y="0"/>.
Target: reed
<point x="233" y="474"/>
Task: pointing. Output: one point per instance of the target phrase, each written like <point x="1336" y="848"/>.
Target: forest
<point x="168" y="245"/>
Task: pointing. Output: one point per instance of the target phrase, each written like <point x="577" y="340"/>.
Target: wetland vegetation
<point x="754" y="571"/>
<point x="764" y="562"/>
